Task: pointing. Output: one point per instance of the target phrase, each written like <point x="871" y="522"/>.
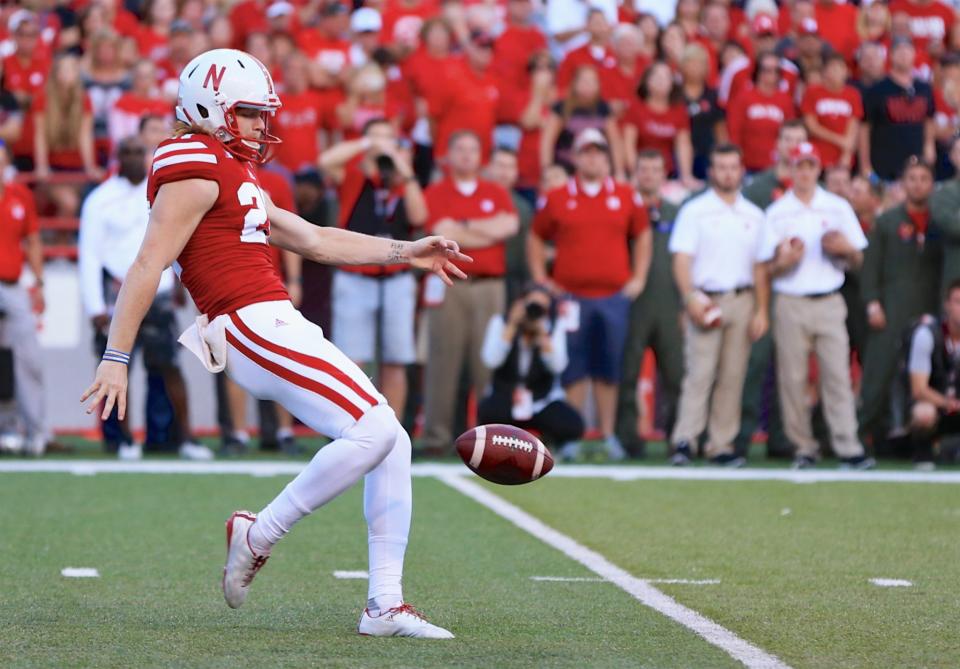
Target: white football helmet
<point x="214" y="84"/>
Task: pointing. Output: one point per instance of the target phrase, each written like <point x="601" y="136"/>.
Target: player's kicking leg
<point x="294" y="365"/>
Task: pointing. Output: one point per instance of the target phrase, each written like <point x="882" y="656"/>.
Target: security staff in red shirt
<point x="592" y="221"/>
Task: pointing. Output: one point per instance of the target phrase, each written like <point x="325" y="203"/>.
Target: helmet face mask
<point x="218" y="83"/>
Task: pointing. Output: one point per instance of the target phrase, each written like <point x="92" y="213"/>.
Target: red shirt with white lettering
<point x="297" y="123"/>
<point x="834" y="110"/>
<point x="658" y="129"/>
<point x="445" y="200"/>
<point x="401" y="21"/>
<point x="753" y="120"/>
<point x="18" y="219"/>
<point x="591" y="235"/>
<point x="929" y="21"/>
<point x="227" y="263"/>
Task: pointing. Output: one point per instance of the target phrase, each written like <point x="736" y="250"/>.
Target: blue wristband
<point x="113" y="355"/>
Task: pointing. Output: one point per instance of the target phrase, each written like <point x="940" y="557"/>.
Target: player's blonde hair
<point x="181" y="128"/>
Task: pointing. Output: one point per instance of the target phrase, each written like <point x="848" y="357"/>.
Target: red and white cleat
<point x="401" y="620"/>
<point x="242" y="563"/>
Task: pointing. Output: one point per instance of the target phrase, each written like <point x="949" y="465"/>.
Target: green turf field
<point x="793" y="563"/>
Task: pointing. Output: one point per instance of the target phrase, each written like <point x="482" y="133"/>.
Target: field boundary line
<point x="739" y="649"/>
<point x="425" y="469"/>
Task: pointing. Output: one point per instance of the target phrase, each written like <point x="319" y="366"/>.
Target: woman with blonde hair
<point x="63" y="132"/>
<point x="105" y="79"/>
<point x="367" y="99"/>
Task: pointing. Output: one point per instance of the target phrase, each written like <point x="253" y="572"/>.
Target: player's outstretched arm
<point x="176" y="212"/>
<point x="335" y="246"/>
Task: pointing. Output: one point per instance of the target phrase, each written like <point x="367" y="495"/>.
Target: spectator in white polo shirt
<point x="810" y="238"/>
<point x="714" y="245"/>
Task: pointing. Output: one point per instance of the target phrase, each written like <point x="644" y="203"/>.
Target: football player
<point x="213" y="222"/>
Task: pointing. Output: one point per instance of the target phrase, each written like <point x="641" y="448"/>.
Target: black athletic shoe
<point x="731" y="460"/>
<point x="859" y="462"/>
<point x="232" y="447"/>
<point x="803" y="462"/>
<point x="682" y="455"/>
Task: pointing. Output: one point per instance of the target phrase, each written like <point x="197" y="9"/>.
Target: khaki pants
<point x="18" y="331"/>
<point x="802" y="325"/>
<point x="715" y="365"/>
<point x="455" y="331"/>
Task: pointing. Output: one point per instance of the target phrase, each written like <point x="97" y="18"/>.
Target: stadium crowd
<point x="763" y="195"/>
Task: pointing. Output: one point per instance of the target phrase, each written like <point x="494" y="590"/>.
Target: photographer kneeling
<point x="528" y="353"/>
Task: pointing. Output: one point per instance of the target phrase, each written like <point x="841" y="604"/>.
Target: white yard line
<point x="615" y="473"/>
<point x="739" y="649"/>
<point x="80" y="572"/>
<point x="342" y="574"/>
<point x="581" y="579"/>
<point x="891" y="582"/>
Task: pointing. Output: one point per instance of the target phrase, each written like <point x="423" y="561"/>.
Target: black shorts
<point x="157" y="337"/>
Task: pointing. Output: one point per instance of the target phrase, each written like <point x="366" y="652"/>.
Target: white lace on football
<point x="513" y="442"/>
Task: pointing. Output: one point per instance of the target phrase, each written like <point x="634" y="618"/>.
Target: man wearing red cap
<point x="809" y="238"/>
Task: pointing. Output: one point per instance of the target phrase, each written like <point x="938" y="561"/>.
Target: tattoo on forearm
<point x="397" y="253"/>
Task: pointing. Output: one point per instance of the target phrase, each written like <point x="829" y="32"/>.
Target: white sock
<point x="387" y="505"/>
<point x="335" y="468"/>
<point x="285" y="433"/>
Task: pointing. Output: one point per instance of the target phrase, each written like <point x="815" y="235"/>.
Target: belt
<point x="736" y="291"/>
<point x="820" y="296"/>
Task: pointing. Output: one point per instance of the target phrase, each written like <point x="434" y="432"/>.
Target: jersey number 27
<point x="256" y="227"/>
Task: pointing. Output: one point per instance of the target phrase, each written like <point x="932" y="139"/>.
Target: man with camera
<point x="379" y="195"/>
<point x="527" y="352"/>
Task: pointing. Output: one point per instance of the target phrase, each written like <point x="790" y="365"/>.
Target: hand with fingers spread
<point x="437" y="254"/>
<point x="110" y="385"/>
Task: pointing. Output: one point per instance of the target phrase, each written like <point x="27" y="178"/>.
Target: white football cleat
<point x="242" y="563"/>
<point x="190" y="450"/>
<point x="403" y="620"/>
<point x="130" y="452"/>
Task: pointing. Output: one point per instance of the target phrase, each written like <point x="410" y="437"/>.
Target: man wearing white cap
<point x="365" y="27"/>
<point x="809" y="239"/>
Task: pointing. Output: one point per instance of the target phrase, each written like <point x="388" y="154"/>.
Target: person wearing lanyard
<point x="809" y="238"/>
<point x="714" y="247"/>
<point x="933" y="376"/>
<point x="19" y="240"/>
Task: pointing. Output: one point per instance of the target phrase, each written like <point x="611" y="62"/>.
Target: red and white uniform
<point x="227" y="266"/>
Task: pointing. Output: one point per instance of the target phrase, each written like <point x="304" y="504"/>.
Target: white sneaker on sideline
<point x="130" y="452"/>
<point x="191" y="450"/>
<point x="242" y="563"/>
<point x="403" y="620"/>
<point x="12" y="443"/>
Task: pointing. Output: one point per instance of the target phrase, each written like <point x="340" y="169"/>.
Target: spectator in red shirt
<point x="737" y="73"/>
<point x="519" y="39"/>
<point x="659" y="120"/>
<point x="367" y="98"/>
<point x="618" y="84"/>
<point x="754" y="117"/>
<point x="142" y="98"/>
<point x="581" y="108"/>
<point x="24" y="73"/>
<point x="478" y="215"/>
<point x="155" y="30"/>
<point x="595" y="52"/>
<point x="63" y="132"/>
<point x="873" y="23"/>
<point x="714" y="35"/>
<point x="832" y="112"/>
<point x="687" y="16"/>
<point x="469" y="101"/>
<point x="326" y="47"/>
<point x="837" y="22"/>
<point x="404" y="18"/>
<point x="533" y="105"/>
<point x="247" y="16"/>
<point x="930" y="22"/>
<point x="299" y="120"/>
<point x="592" y="222"/>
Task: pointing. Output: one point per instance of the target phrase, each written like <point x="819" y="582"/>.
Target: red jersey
<point x="468" y="102"/>
<point x="658" y="129"/>
<point x="427" y="75"/>
<point x="226" y="264"/>
<point x="512" y="104"/>
<point x="298" y="123"/>
<point x="617" y="85"/>
<point x="18" y="219"/>
<point x="402" y="22"/>
<point x="834" y="111"/>
<point x="591" y="235"/>
<point x="279" y="190"/>
<point x="444" y="200"/>
<point x="332" y="55"/>
<point x="753" y="120"/>
<point x="929" y="21"/>
<point x="511" y="52"/>
<point x="837" y="23"/>
<point x="738" y="75"/>
<point x="595" y="56"/>
<point x="27" y="78"/>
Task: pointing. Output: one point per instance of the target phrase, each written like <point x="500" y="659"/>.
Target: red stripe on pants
<point x="297" y="379"/>
<point x="318" y="364"/>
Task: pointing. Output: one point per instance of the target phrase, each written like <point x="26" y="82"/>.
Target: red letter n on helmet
<point x="214" y="76"/>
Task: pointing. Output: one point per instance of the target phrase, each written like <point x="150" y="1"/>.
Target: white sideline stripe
<point x="669" y="581"/>
<point x="350" y="574"/>
<point x="891" y="582"/>
<point x="80" y="572"/>
<point x="743" y="651"/>
<point x="615" y="473"/>
<point x="185" y="158"/>
<point x="180" y="146"/>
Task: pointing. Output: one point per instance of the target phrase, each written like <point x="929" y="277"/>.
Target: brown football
<point x="504" y="454"/>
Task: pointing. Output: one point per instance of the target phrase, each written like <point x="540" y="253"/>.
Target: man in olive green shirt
<point x="503" y="170"/>
<point x="945" y="216"/>
<point x="900" y="281"/>
<point x="762" y="190"/>
<point x="654" y="315"/>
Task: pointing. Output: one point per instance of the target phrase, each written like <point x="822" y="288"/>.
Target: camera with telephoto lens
<point x="535" y="311"/>
<point x="386" y="168"/>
